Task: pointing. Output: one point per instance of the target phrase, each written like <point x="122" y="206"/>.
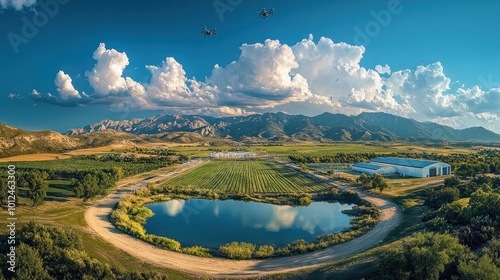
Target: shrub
<point x="141" y="214"/>
<point x="165" y="243"/>
<point x="264" y="251"/>
<point x="305" y="200"/>
<point x="197" y="251"/>
<point x="238" y="251"/>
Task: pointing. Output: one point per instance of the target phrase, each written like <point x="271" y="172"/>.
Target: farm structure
<point x="233" y="155"/>
<point x="403" y="166"/>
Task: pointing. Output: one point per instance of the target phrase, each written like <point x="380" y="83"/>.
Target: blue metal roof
<point x="410" y="162"/>
<point x="366" y="165"/>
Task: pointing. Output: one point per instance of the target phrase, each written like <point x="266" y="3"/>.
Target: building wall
<point x="410" y="171"/>
<point x="423" y="172"/>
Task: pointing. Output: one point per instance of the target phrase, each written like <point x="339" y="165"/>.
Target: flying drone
<point x="207" y="32"/>
<point x="265" y="13"/>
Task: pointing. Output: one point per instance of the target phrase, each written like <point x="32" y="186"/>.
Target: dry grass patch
<point x="35" y="157"/>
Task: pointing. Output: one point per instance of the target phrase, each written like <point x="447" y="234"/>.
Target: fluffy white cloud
<point x="261" y="77"/>
<point x="106" y="77"/>
<point x="17" y="4"/>
<point x="426" y="90"/>
<point x="169" y="87"/>
<point x="65" y="86"/>
<point x="480" y="101"/>
<point x="333" y="70"/>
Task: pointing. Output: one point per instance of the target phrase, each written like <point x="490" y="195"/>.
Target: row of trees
<point x="168" y="158"/>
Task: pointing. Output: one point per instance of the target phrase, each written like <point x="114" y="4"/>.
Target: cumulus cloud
<point x="333" y="70"/>
<point x="17" y="4"/>
<point x="261" y="77"/>
<point x="308" y="77"/>
<point x="170" y="87"/>
<point x="65" y="87"/>
<point x="106" y="77"/>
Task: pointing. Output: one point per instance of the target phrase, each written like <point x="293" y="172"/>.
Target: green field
<point x="74" y="165"/>
<point x="248" y="177"/>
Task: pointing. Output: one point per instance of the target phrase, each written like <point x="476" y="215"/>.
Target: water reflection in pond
<point x="210" y="223"/>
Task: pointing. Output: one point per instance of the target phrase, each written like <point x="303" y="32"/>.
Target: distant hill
<point x="15" y="141"/>
<point x="283" y="127"/>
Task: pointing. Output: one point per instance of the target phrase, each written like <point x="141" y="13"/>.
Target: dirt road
<point x="97" y="219"/>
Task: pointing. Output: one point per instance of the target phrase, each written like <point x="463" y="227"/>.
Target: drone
<point x="207" y="32"/>
<point x="265" y="13"/>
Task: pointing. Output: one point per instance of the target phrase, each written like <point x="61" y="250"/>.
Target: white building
<point x="404" y="166"/>
<point x="232" y="155"/>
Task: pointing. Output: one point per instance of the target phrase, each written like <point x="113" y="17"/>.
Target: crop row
<point x="247" y="177"/>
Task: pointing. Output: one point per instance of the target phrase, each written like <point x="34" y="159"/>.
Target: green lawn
<point x="247" y="177"/>
<point x="59" y="190"/>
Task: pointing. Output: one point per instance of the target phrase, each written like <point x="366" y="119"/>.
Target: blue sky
<point x="86" y="61"/>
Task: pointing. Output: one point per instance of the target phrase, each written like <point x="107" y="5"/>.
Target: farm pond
<point x="211" y="223"/>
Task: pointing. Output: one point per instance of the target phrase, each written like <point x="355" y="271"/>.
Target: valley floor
<point x="97" y="215"/>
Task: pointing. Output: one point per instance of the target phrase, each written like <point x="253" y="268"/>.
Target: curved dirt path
<point x="96" y="217"/>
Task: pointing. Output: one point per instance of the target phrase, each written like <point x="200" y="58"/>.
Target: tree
<point x="87" y="188"/>
<point x="37" y="187"/>
<point x="4" y="187"/>
<point x="117" y="173"/>
<point x="452" y="182"/>
<point x="106" y="182"/>
<point x="30" y="264"/>
<point x="378" y="182"/>
<point x="482" y="268"/>
<point x="437" y="198"/>
<point x="364" y="180"/>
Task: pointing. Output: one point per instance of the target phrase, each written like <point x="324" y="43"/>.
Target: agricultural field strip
<point x="247" y="177"/>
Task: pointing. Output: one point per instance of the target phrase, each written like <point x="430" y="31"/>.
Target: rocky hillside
<point x="14" y="141"/>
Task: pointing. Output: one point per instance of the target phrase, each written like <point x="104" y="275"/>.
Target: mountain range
<point x="264" y="128"/>
<point x="282" y="127"/>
